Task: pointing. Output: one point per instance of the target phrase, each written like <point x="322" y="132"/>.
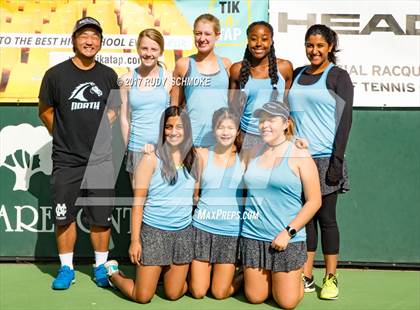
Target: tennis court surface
<point x="27" y="286"/>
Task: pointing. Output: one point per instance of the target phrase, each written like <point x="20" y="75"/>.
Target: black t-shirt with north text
<point x="81" y="130"/>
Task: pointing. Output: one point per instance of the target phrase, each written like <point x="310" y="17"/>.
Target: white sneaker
<point x="111" y="267"/>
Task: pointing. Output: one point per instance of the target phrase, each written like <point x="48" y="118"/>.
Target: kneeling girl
<point x="273" y="243"/>
<point x="217" y="218"/>
<point x="161" y="231"/>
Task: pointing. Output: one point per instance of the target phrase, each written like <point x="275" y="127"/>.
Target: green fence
<point x="379" y="218"/>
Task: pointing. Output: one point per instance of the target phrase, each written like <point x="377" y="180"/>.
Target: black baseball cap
<point x="275" y="108"/>
<point x="87" y="22"/>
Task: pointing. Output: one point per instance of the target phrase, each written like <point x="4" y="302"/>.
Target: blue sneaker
<point x="64" y="279"/>
<point x="100" y="276"/>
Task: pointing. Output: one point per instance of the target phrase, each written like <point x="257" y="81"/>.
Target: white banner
<point x="379" y="43"/>
<point x="114" y="60"/>
<point x="116" y="41"/>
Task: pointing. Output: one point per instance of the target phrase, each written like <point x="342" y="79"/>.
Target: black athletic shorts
<point x="90" y="188"/>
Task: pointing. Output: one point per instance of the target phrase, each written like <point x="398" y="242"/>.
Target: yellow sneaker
<point x="329" y="287"/>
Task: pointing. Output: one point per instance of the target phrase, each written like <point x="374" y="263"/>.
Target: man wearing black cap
<point x="77" y="103"/>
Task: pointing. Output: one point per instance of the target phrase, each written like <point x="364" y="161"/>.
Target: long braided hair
<point x="272" y="62"/>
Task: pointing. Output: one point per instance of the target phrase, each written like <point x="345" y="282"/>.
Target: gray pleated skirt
<point x="133" y="159"/>
<point x="343" y="185"/>
<point x="166" y="247"/>
<point x="259" y="254"/>
<point x="215" y="248"/>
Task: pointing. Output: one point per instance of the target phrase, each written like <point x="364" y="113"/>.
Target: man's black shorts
<point x="88" y="187"/>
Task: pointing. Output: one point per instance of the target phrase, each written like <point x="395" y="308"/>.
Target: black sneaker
<point x="308" y="284"/>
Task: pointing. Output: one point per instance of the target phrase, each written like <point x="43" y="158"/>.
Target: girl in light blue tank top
<point x="321" y="100"/>
<point x="258" y="92"/>
<point x="145" y="95"/>
<point x="171" y="203"/>
<point x="273" y="235"/>
<point x="146" y="108"/>
<point x="203" y="100"/>
<point x="161" y="231"/>
<point x="219" y="207"/>
<point x="275" y="195"/>
<point x="169" y="200"/>
<point x="202" y="80"/>
<point x="313" y="109"/>
<point x="217" y="219"/>
<point x="257" y="79"/>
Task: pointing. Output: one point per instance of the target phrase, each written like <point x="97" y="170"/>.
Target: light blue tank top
<point x="146" y="109"/>
<point x="202" y="100"/>
<point x="169" y="207"/>
<point x="275" y="195"/>
<point x="220" y="207"/>
<point x="313" y="109"/>
<point x="258" y="93"/>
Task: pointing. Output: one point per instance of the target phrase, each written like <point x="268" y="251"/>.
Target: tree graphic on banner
<point x="25" y="150"/>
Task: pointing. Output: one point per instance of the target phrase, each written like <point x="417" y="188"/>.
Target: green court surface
<point x="27" y="286"/>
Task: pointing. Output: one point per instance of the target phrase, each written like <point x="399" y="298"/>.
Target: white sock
<point x="66" y="259"/>
<point x="100" y="258"/>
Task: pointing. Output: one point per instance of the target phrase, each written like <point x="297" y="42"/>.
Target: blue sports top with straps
<point x="313" y="109"/>
<point x="146" y="107"/>
<point x="169" y="207"/>
<point x="273" y="200"/>
<point x="220" y="206"/>
<point x="258" y="93"/>
<point x="204" y="94"/>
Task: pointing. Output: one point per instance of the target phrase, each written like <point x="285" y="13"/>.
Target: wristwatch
<point x="291" y="231"/>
